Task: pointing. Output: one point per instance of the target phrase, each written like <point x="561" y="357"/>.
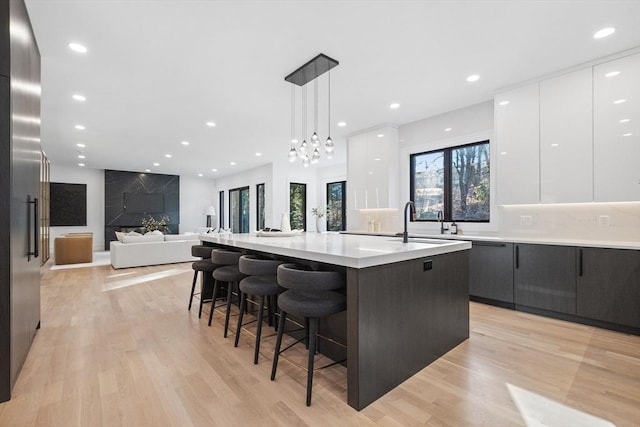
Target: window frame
<point x="304" y="204"/>
<point x="241" y="225"/>
<point x="221" y="207"/>
<point x="448" y="181"/>
<point x="260" y="205"/>
<point x="343" y="223"/>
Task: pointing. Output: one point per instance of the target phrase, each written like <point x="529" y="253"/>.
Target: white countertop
<point x="355" y="251"/>
<point x="532" y="240"/>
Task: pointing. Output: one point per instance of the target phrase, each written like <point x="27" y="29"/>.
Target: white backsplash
<point x="382" y="220"/>
<point x="585" y="221"/>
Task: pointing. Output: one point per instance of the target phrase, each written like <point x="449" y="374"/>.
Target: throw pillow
<point x="133" y="233"/>
<point x="119" y="236"/>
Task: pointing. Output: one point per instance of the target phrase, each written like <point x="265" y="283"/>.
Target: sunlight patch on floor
<point x="143" y="279"/>
<point x="540" y="411"/>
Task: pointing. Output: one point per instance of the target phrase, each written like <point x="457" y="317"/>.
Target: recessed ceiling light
<point x="214" y="170"/>
<point x="627" y="134"/>
<point x="624" y="120"/>
<point x="168" y="156"/>
<point x="503" y="153"/>
<point x="81" y="156"/>
<point x="79" y="97"/>
<point x="81" y="165"/>
<point x="200" y="175"/>
<point x="612" y="73"/>
<point x="79" y="127"/>
<point x="232" y="163"/>
<point x="147" y="170"/>
<point x="156" y="164"/>
<point x="473" y="78"/>
<point x="77" y="47"/>
<point x="619" y="101"/>
<point x="185" y="143"/>
<point x="294" y="141"/>
<point x="80" y="144"/>
<point x="603" y="33"/>
<point x="394" y="106"/>
<point x="342" y="124"/>
<point x="258" y="154"/>
<point x="380" y="135"/>
<point x="211" y="124"/>
<point x="554" y="145"/>
<point x="370" y="172"/>
<point x="448" y="129"/>
<point x="503" y="102"/>
<point x="377" y="159"/>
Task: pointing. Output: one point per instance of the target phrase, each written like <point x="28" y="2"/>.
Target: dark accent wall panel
<point x="117" y="183"/>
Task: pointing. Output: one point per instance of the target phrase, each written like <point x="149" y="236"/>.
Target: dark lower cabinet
<point x="491" y="271"/>
<point x="608" y="287"/>
<point x="545" y="277"/>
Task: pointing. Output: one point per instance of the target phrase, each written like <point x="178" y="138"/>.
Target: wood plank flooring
<point x="119" y="348"/>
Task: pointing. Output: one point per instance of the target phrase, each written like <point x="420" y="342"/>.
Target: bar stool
<point x="261" y="281"/>
<point x="204" y="266"/>
<point x="228" y="273"/>
<point x="310" y="295"/>
<point x="201" y="251"/>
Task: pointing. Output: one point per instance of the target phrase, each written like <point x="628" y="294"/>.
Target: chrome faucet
<point x="441" y="220"/>
<point x="405" y="235"/>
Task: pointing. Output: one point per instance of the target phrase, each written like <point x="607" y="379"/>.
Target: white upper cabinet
<point x="517" y="134"/>
<point x="372" y="169"/>
<point x="616" y="148"/>
<point x="566" y="138"/>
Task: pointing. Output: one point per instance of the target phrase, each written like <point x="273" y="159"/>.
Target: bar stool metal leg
<point x="313" y="326"/>
<point x="276" y="355"/>
<point x="243" y="306"/>
<point x="228" y="313"/>
<point x="216" y="285"/>
<point x="193" y="287"/>
<point x="259" y="330"/>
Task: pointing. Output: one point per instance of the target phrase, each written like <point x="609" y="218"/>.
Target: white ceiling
<point x="156" y="71"/>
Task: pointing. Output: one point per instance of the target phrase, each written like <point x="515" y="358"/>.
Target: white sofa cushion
<point x="125" y="255"/>
<point x="173" y="237"/>
<point x="120" y="235"/>
<point x="141" y="239"/>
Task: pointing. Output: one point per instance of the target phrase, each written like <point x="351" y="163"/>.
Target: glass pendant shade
<point x="305" y="160"/>
<point x="303" y="146"/>
<point x="328" y="146"/>
<point x="315" y="141"/>
<point x="316" y="156"/>
<point x="293" y="154"/>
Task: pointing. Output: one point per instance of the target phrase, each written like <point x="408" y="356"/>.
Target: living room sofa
<point x="138" y="251"/>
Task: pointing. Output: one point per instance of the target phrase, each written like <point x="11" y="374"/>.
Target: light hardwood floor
<point x="119" y="348"/>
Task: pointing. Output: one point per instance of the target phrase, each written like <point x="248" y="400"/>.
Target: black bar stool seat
<point x="310" y="295"/>
<point x="201" y="251"/>
<point x="261" y="281"/>
<point x="204" y="266"/>
<point x="227" y="273"/>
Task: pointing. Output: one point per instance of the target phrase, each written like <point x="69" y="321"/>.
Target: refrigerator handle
<point x="34" y="231"/>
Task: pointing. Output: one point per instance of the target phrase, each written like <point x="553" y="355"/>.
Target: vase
<point x="285" y="225"/>
<point x="319" y="225"/>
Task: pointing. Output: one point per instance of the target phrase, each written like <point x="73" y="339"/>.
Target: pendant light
<point x="309" y="152"/>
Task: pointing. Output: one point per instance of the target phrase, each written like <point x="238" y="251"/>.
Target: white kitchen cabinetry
<point x="517" y="134"/>
<point x="372" y="171"/>
<point x="616" y="143"/>
<point x="566" y="138"/>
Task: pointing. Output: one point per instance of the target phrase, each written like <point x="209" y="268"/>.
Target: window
<point x="336" y="206"/>
<point x="260" y="206"/>
<point x="454" y="180"/>
<point x="239" y="210"/>
<point x="298" y="206"/>
<point x="221" y="208"/>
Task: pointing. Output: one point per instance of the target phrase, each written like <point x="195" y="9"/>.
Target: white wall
<point x="195" y="195"/>
<point x="470" y="124"/>
<point x="94" y="179"/>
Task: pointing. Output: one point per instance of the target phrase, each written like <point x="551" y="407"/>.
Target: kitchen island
<point x="407" y="303"/>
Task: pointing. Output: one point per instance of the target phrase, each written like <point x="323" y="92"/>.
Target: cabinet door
<point x="517" y="134"/>
<point x="616" y="143"/>
<point x="566" y="138"/>
<point x="609" y="285"/>
<point x="545" y="277"/>
<point x="491" y="271"/>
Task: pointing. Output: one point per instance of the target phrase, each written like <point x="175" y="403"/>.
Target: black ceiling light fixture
<point x="306" y="73"/>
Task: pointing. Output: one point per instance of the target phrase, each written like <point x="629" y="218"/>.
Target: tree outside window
<point x="298" y="206"/>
